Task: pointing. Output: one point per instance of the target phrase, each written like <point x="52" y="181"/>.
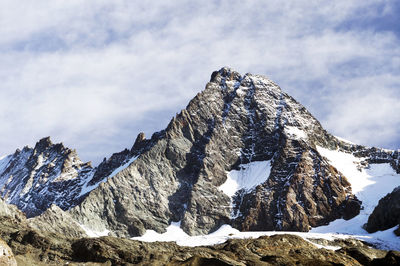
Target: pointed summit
<point x="43" y="143"/>
<point x="235" y="123"/>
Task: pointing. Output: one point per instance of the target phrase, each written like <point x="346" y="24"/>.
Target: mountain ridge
<point x="177" y="174"/>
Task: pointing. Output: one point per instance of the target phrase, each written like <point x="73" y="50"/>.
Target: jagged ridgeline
<point x="187" y="173"/>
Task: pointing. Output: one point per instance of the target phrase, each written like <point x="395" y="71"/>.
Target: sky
<point x="93" y="74"/>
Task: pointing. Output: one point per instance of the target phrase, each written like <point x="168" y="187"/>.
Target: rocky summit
<point x="243" y="153"/>
<point x="181" y="172"/>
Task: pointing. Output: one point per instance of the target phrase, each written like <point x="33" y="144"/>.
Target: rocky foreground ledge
<point x="31" y="247"/>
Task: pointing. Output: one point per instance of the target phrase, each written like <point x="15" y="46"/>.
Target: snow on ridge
<point x="344" y="140"/>
<point x="385" y="240"/>
<point x="86" y="189"/>
<point x="249" y="176"/>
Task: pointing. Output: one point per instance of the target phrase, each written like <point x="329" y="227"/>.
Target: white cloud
<point x="95" y="73"/>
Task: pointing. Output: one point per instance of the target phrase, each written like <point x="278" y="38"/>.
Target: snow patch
<point x="249" y="176"/>
<point x="369" y="185"/>
<point x="176" y="234"/>
<point x="295" y="132"/>
<point x="173" y="233"/>
<point x="92" y="233"/>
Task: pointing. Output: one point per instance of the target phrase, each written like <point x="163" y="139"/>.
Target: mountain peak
<point x="237" y="121"/>
<point x="43" y="143"/>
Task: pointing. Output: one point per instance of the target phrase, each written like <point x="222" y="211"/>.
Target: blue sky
<point x="93" y="74"/>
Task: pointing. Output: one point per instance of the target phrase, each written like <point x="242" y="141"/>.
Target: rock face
<point x="235" y="121"/>
<point x="386" y="214"/>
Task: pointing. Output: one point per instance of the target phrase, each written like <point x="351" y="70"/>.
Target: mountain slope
<point x="35" y="178"/>
<point x="243" y="152"/>
<point x="236" y="121"/>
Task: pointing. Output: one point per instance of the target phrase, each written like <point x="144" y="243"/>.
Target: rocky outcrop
<point x="236" y="120"/>
<point x="11" y="212"/>
<point x="41" y="248"/>
<point x="386" y="214"/>
<point x="55" y="220"/>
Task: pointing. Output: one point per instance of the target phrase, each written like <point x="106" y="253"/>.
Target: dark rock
<point x="397" y="231"/>
<point x="201" y="261"/>
<point x="352" y="209"/>
<point x="386" y="214"/>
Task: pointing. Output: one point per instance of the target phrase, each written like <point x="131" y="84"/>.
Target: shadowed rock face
<point x="386" y="214"/>
<point x="234" y="121"/>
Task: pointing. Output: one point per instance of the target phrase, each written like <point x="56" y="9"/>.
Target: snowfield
<point x="368" y="184"/>
<point x="249" y="176"/>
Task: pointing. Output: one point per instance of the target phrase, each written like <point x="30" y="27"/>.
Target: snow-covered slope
<point x="370" y="183"/>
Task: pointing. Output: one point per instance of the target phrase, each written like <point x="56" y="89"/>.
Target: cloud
<point x="93" y="74"/>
